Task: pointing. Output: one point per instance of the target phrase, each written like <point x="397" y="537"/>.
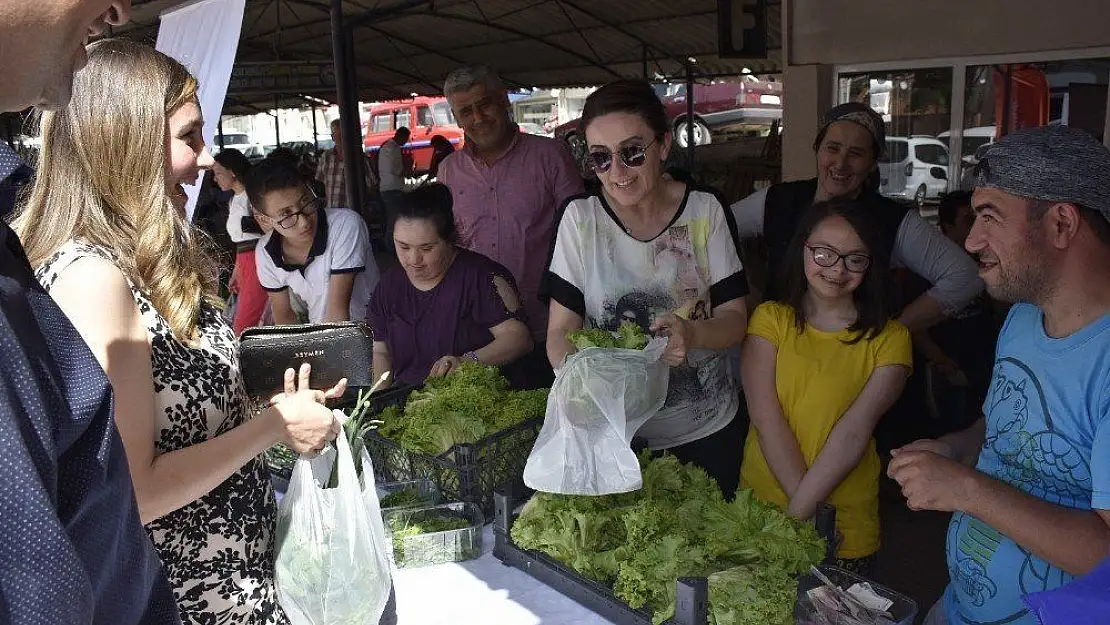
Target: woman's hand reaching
<point x="304" y="423"/>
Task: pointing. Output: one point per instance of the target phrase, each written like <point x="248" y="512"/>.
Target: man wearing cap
<point x="1030" y="482"/>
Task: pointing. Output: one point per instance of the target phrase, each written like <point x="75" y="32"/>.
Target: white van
<point x="914" y="168"/>
<point x="974" y="138"/>
<point x="974" y="144"/>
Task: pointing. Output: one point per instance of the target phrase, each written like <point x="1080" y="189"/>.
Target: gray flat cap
<point x="1054" y="163"/>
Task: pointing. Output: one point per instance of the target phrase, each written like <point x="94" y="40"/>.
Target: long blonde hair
<point x="101" y="180"/>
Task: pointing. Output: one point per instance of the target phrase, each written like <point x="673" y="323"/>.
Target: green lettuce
<point x="750" y="594"/>
<point x="464" y="407"/>
<point x="677" y="525"/>
<point x="628" y="336"/>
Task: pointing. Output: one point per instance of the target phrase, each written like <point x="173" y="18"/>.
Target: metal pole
<point x="1007" y="93"/>
<point x="347" y="97"/>
<point x="315" y="132"/>
<point x="361" y="193"/>
<point x="277" y="122"/>
<point x="690" y="117"/>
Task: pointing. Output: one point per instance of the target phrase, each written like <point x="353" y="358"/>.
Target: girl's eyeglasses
<point x="828" y="257"/>
<point x="630" y="155"/>
<point x="307" y="208"/>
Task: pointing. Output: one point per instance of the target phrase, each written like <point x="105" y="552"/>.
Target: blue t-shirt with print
<point x="1048" y="434"/>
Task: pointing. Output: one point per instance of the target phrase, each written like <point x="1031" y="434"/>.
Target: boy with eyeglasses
<point x="321" y="255"/>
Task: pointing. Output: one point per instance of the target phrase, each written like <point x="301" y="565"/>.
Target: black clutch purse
<point x="335" y="351"/>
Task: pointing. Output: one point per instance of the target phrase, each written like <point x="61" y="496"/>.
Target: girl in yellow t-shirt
<point x="819" y="368"/>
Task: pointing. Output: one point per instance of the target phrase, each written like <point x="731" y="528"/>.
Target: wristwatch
<point x="471" y="356"/>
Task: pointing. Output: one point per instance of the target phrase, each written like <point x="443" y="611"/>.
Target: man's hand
<point x="931" y="481"/>
<point x="939" y="447"/>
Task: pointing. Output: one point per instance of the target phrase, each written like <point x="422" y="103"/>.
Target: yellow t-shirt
<point x="818" y="376"/>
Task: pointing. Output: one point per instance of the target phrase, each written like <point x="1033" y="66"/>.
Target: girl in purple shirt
<point x="443" y="305"/>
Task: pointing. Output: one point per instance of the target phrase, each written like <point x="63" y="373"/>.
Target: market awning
<point x="404" y="47"/>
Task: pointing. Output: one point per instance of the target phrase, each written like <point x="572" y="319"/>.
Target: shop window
<point x="916" y="107"/>
<point x="1003" y="98"/>
<point x="911" y="102"/>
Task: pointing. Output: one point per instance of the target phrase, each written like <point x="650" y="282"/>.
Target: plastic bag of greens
<point x="332" y="563"/>
<point x="600" y="398"/>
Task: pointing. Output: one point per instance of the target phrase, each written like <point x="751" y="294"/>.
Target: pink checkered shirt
<point x="507" y="211"/>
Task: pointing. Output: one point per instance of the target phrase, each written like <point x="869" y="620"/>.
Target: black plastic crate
<point x="692" y="596"/>
<point x="466" y="473"/>
<point x="691" y="602"/>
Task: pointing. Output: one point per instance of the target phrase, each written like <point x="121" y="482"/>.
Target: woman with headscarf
<point x="848" y="147"/>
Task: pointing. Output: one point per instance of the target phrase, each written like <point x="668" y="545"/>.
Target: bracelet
<point x="471" y="356"/>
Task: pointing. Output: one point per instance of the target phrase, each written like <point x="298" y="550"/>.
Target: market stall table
<point x="480" y="592"/>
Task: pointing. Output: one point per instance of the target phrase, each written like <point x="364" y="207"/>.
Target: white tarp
<point x="204" y="37"/>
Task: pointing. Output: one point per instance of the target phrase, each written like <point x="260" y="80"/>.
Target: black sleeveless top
<point x="787" y="202"/>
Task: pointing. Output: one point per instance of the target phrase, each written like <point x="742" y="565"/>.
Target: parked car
<point x="973" y="139"/>
<point x="751" y="101"/>
<point x="975" y="143"/>
<point x="301" y="148"/>
<point x="238" y="140"/>
<point x="533" y="129"/>
<point x="718" y="104"/>
<point x="914" y="168"/>
<point x="424" y="116"/>
<point x="254" y="152"/>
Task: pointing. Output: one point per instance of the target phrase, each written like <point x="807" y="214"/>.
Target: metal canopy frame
<point x="407" y="46"/>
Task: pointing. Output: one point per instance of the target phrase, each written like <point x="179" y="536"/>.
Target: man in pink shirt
<point x="507" y="187"/>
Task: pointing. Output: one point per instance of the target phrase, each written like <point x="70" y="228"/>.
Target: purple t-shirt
<point x="455" y="317"/>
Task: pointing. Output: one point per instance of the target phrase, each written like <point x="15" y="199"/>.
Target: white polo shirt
<point x="237" y="210"/>
<point x="341" y="245"/>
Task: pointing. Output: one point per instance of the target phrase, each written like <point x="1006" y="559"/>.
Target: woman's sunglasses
<point x="630" y="155"/>
<point x="828" y="257"/>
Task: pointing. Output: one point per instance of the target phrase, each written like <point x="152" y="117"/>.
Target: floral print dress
<point x="219" y="550"/>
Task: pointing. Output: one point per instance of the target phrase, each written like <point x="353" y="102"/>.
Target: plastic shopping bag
<point x="599" y="399"/>
<point x="229" y="310"/>
<point x="332" y="553"/>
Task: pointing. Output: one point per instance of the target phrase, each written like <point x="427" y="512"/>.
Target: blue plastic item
<point x="1085" y="601"/>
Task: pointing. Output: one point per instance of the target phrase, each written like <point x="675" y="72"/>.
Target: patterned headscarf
<point x="860" y="114"/>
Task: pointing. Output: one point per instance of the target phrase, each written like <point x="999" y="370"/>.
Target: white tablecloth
<point x="482" y="592"/>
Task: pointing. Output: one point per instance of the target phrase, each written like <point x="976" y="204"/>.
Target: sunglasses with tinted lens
<point x="630" y="155"/>
<point x="828" y="257"/>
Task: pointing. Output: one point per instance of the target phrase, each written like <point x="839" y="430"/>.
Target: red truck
<point x="424" y="116"/>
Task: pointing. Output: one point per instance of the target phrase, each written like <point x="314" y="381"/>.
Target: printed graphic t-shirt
<point x="605" y="275"/>
<point x="1048" y="435"/>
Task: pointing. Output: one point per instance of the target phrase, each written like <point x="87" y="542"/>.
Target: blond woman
<point x="105" y="228"/>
